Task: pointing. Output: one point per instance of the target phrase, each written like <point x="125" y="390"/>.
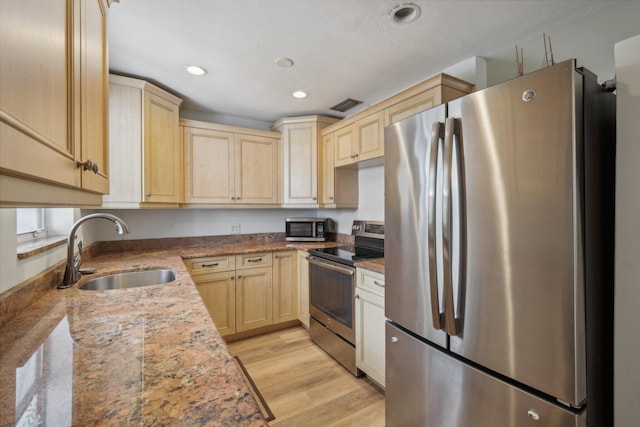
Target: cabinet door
<point x="370" y="340"/>
<point x="209" y="166"/>
<point x="256" y="169"/>
<point x="285" y="286"/>
<point x="343" y="146"/>
<point x="413" y="105"/>
<point x="94" y="94"/>
<point x="328" y="174"/>
<point x="218" y="293"/>
<point x="303" y="288"/>
<point x="162" y="151"/>
<point x="369" y="134"/>
<point x="37" y="90"/>
<point x="300" y="145"/>
<point x="254" y="298"/>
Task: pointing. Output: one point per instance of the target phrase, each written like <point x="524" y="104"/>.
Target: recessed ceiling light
<point x="404" y="13"/>
<point x="284" y="62"/>
<point x="196" y="70"/>
<point x="299" y="94"/>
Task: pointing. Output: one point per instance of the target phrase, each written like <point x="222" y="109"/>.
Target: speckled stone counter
<point x="376" y="265"/>
<point x="138" y="356"/>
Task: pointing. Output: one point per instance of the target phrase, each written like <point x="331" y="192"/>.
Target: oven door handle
<point x="331" y="265"/>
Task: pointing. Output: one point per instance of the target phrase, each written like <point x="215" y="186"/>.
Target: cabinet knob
<point x="315" y="198"/>
<point x="148" y="195"/>
<point x="394" y="339"/>
<point x="89" y="165"/>
<point x="239" y="277"/>
<point x="233" y="277"/>
<point x="331" y="198"/>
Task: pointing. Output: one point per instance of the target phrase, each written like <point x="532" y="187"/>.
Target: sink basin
<point x="131" y="279"/>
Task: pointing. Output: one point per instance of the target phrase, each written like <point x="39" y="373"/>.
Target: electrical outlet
<point x="235" y="228"/>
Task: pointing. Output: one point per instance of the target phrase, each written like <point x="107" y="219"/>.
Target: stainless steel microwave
<point x="307" y="229"/>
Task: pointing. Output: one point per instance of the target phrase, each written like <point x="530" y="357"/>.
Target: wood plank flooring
<point x="304" y="386"/>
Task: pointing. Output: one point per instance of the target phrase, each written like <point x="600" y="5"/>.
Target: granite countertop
<point x="376" y="265"/>
<point x="138" y="356"/>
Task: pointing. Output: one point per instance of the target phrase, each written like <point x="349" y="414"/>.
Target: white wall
<point x="371" y="203"/>
<point x="159" y="223"/>
<point x="627" y="265"/>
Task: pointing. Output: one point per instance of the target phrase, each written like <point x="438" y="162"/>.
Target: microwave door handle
<point x="436" y="135"/>
<point x="447" y="219"/>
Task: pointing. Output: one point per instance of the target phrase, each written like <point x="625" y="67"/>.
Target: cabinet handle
<point x="331" y="198"/>
<point x="239" y="277"/>
<point x="233" y="277"/>
<point x="237" y="198"/>
<point x="148" y="195"/>
<point x="315" y="198"/>
<point x="89" y="165"/>
<point x="357" y="297"/>
<point x="215" y="264"/>
<point x="254" y="260"/>
<point x="375" y="282"/>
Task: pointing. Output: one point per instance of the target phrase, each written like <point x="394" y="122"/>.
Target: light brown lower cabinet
<point x="249" y="291"/>
<point x="218" y="291"/>
<point x="285" y="286"/>
<point x="254" y="298"/>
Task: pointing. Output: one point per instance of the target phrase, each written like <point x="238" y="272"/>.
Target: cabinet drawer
<point x="212" y="264"/>
<point x="371" y="281"/>
<point x="261" y="259"/>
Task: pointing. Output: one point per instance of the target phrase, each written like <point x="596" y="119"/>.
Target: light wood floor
<point x="304" y="386"/>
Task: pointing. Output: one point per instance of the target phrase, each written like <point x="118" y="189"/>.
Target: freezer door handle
<point x="437" y="132"/>
<point x="447" y="219"/>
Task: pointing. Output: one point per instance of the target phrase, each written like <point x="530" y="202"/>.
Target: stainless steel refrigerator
<point x="499" y="256"/>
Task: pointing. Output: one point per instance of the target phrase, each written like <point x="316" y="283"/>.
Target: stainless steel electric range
<point x="332" y="282"/>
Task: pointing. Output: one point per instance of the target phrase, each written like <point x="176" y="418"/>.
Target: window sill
<point x="38" y="246"/>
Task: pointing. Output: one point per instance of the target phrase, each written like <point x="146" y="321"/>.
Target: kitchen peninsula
<point x="147" y="355"/>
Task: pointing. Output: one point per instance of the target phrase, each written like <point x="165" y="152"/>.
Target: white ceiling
<point x="346" y="48"/>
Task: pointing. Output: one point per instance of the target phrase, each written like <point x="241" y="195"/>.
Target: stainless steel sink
<point x="131" y="279"/>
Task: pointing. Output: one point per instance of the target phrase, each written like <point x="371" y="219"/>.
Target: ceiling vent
<point x="345" y="105"/>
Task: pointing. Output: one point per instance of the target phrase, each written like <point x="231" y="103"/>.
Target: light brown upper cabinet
<point x="229" y="165"/>
<point x="146" y="149"/>
<point x="53" y="102"/>
<point x="359" y="139"/>
<point x="302" y="158"/>
<point x="418" y="99"/>
<point x="339" y="186"/>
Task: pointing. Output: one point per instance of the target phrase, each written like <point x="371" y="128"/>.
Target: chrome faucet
<point x="73" y="264"/>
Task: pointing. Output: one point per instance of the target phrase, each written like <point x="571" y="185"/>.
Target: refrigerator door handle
<point x="437" y="131"/>
<point x="447" y="217"/>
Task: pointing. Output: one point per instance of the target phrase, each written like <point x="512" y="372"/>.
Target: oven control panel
<point x="373" y="229"/>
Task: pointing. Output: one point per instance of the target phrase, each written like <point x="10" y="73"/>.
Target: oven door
<point x="331" y="296"/>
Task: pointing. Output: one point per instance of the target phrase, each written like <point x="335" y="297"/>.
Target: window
<point x="41" y="229"/>
<point x="30" y="223"/>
